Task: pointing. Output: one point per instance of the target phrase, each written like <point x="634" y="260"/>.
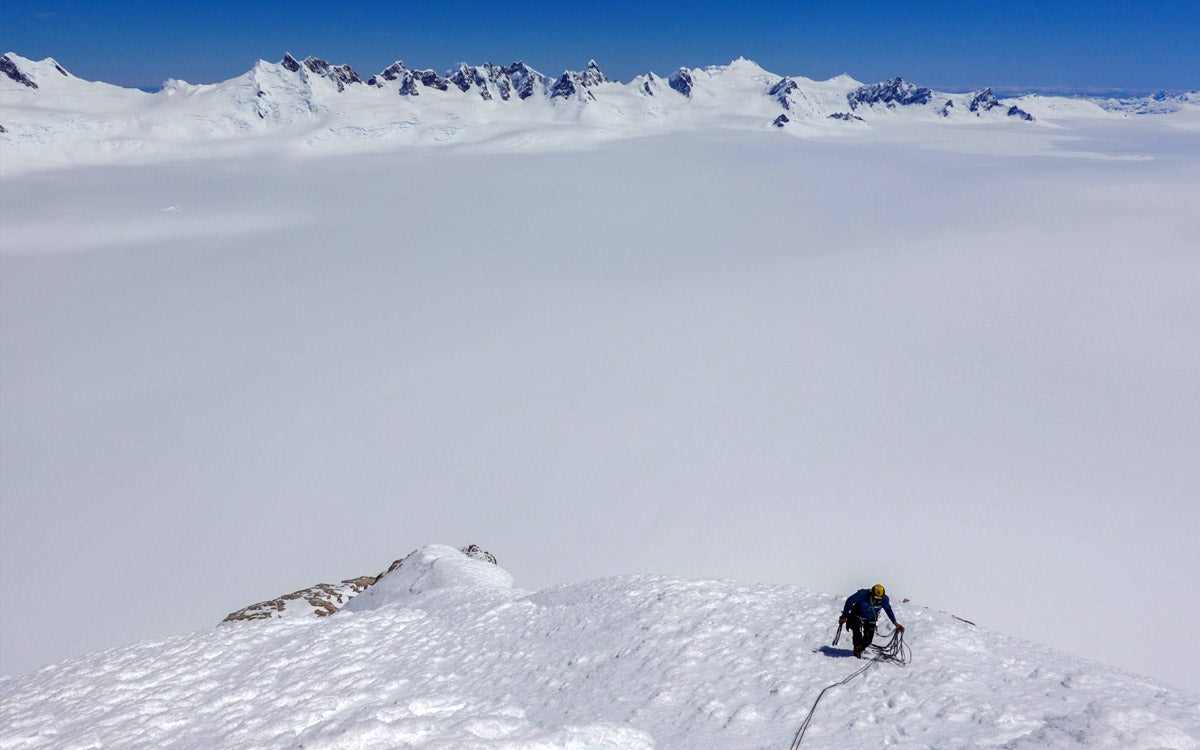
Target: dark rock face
<point x="408" y="85"/>
<point x="525" y="80"/>
<point x="339" y="74"/>
<point x="1015" y="111"/>
<point x="10" y="69"/>
<point x="408" y="79"/>
<point x="592" y="75"/>
<point x="3" y="129"/>
<point x="681" y="81"/>
<point x="781" y="90"/>
<point x="324" y="599"/>
<point x="945" y="111"/>
<point x="393" y="72"/>
<point x="467" y="76"/>
<point x="569" y="85"/>
<point x="845" y="116"/>
<point x="564" y="87"/>
<point x="894" y="92"/>
<point x="430" y="79"/>
<point x="517" y="78"/>
<point x="652" y="82"/>
<point x="983" y="101"/>
<point x="290" y="62"/>
<point x="781" y="121"/>
<point x="498" y="76"/>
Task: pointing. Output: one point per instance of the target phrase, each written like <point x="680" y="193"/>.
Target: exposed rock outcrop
<point x="320" y="600"/>
<point x="578" y="85"/>
<point x="340" y="75"/>
<point x="983" y="101"/>
<point x="681" y="81"/>
<point x="10" y="69"/>
<point x="781" y="90"/>
<point x="324" y="599"/>
<point x="1020" y="114"/>
<point x="891" y="93"/>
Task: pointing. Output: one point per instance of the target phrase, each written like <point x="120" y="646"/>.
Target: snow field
<point x="625" y="662"/>
<point x="960" y="360"/>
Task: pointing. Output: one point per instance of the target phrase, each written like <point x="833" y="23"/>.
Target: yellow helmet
<point x="877" y="591"/>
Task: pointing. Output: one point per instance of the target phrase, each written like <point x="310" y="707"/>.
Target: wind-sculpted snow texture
<point x="452" y="656"/>
<point x="54" y="119"/>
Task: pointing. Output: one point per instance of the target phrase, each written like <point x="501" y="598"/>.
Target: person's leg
<point x="856" y="627"/>
<point x="868" y="634"/>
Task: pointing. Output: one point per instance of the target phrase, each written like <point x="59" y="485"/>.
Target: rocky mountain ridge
<point x="323" y="599"/>
<point x="50" y="118"/>
<point x="490" y="82"/>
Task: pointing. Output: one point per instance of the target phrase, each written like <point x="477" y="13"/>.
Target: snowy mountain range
<point x="50" y="117"/>
<point x="444" y="652"/>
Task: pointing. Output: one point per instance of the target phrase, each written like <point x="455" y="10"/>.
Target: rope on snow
<point x="894" y="651"/>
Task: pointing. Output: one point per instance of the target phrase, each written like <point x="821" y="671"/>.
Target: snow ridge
<point x="453" y="656"/>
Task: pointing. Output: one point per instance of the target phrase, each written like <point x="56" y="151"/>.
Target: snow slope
<point x="53" y="119"/>
<point x="445" y="653"/>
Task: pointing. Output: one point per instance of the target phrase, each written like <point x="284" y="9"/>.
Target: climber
<point x="861" y="612"/>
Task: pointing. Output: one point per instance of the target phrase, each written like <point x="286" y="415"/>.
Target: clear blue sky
<point x="963" y="43"/>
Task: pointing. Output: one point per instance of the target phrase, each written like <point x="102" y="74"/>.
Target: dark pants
<point x="863" y="632"/>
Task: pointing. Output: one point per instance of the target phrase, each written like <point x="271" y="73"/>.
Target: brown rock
<point x="324" y="599"/>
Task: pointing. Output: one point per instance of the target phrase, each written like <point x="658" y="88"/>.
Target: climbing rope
<point x="893" y="650"/>
<point x="807" y="719"/>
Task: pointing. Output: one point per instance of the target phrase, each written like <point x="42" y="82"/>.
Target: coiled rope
<point x="893" y="650"/>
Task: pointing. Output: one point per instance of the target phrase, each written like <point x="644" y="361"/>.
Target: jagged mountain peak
<point x="592" y="75"/>
<point x="392" y="72"/>
<point x="339" y="75"/>
<point x="578" y="84"/>
<point x="892" y="92"/>
<point x="491" y="81"/>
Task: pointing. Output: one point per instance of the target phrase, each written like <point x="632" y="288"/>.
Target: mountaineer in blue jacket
<point x="861" y="612"/>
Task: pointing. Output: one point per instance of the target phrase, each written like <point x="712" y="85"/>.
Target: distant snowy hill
<point x="52" y="118"/>
<point x="444" y="652"/>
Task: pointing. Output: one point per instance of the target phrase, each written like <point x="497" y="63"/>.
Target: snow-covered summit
<point x="437" y="568"/>
<point x="29" y="72"/>
<point x="448" y="654"/>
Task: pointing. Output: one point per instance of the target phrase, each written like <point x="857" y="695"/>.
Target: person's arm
<point x="846" y="609"/>
<point x="887" y="607"/>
